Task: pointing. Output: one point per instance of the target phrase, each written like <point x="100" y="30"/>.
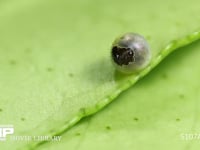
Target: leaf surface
<point x="55" y="56"/>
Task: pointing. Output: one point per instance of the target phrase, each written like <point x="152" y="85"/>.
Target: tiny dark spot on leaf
<point x="71" y="75"/>
<point x="52" y="131"/>
<point x="108" y="127"/>
<point x="174" y="42"/>
<point x="178" y="24"/>
<point x="181" y="96"/>
<point x="82" y="111"/>
<point x="28" y="50"/>
<point x="164" y="76"/>
<point x="177" y="119"/>
<point x="49" y="69"/>
<point x="1" y="110"/>
<point x="13" y="62"/>
<point x="23" y="119"/>
<point x="78" y="134"/>
<point x="136" y="119"/>
<point x="148" y="37"/>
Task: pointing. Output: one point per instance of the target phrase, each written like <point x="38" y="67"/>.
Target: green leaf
<point x="160" y="112"/>
<point x="55" y="56"/>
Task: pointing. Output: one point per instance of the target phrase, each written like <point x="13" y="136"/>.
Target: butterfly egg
<point x="130" y="53"/>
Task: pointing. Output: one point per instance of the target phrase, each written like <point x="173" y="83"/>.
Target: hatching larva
<point x="130" y="53"/>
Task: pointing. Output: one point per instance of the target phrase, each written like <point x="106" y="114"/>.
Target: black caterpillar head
<point x="123" y="56"/>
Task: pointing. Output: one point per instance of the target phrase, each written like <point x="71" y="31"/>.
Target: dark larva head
<point x="130" y="53"/>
